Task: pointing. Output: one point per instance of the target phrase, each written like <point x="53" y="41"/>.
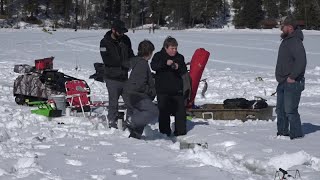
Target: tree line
<point x="266" y="13"/>
<point x="176" y="14"/>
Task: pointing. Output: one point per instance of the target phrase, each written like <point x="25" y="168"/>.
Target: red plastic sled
<point x="197" y="65"/>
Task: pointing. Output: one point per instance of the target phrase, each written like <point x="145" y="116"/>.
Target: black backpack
<point x="55" y="80"/>
<point x="236" y="103"/>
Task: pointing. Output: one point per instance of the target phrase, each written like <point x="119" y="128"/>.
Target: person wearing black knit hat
<point x="290" y="70"/>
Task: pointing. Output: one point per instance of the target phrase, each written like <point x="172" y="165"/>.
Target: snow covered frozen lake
<point x="35" y="147"/>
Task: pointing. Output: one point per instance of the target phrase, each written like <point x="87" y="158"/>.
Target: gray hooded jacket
<point x="292" y="59"/>
<point x="140" y="84"/>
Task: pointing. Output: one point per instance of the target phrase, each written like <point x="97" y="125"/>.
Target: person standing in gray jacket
<point x="290" y="70"/>
<point x="139" y="91"/>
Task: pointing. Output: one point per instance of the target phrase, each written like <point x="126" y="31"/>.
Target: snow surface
<point x="36" y="147"/>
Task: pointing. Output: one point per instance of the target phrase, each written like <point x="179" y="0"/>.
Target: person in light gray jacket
<point x="139" y="91"/>
<point x="290" y="70"/>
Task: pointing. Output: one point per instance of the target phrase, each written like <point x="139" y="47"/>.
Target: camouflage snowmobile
<point x="39" y="82"/>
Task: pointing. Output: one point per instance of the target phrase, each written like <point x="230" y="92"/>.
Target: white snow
<point x="25" y="163"/>
<point x="2" y="172"/>
<point x="122" y="172"/>
<point x="286" y="161"/>
<point x="36" y="147"/>
<point x="4" y="136"/>
<point x="73" y="162"/>
<point x="104" y="143"/>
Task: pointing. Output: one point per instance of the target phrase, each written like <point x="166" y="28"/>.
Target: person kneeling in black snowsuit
<point x="139" y="91"/>
<point x="170" y="67"/>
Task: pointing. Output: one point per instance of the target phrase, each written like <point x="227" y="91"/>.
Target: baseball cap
<point x="119" y="26"/>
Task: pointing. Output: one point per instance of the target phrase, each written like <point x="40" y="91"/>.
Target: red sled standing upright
<point x="197" y="65"/>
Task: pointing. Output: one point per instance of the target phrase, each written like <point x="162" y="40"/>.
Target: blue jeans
<point x="288" y="98"/>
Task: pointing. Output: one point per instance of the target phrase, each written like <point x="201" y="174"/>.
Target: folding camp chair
<point x="78" y="96"/>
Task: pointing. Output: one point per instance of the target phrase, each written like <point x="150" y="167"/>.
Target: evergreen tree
<point x="161" y="7"/>
<point x="156" y="9"/>
<point x="2" y="7"/>
<point x="31" y="7"/>
<point x="309" y="11"/>
<point x="116" y="9"/>
<point x="195" y="11"/>
<point x="112" y="9"/>
<point x="284" y="8"/>
<point x="135" y="13"/>
<point x="252" y="13"/>
<point x="248" y="13"/>
<point x="95" y="12"/>
<point x="238" y="19"/>
<point x="47" y="4"/>
<point x="108" y="9"/>
<point x="179" y="13"/>
<point x="211" y="9"/>
<point x="271" y="9"/>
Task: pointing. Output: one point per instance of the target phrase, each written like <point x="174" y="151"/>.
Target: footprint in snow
<point x="228" y="143"/>
<point x="2" y="172"/>
<point x="232" y="132"/>
<point x="86" y="148"/>
<point x="122" y="160"/>
<point x="267" y="150"/>
<point x="123" y="172"/>
<point x="73" y="162"/>
<point x="104" y="143"/>
<point x="25" y="163"/>
<point x="121" y="157"/>
<point x="98" y="177"/>
<point x="42" y="146"/>
<point x="280" y="137"/>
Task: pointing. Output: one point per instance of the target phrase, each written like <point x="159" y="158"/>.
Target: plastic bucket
<point x="60" y="101"/>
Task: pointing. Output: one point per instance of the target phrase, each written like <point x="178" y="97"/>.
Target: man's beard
<point x="284" y="35"/>
<point x="117" y="36"/>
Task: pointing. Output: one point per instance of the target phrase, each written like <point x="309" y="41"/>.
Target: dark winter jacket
<point x="140" y="84"/>
<point x="168" y="80"/>
<point x="292" y="59"/>
<point x="115" y="55"/>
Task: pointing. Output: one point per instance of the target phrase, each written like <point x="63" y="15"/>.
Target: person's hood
<point x="297" y="33"/>
<point x="134" y="61"/>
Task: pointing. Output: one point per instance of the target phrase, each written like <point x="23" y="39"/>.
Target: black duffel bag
<point x="55" y="80"/>
<point x="236" y="103"/>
